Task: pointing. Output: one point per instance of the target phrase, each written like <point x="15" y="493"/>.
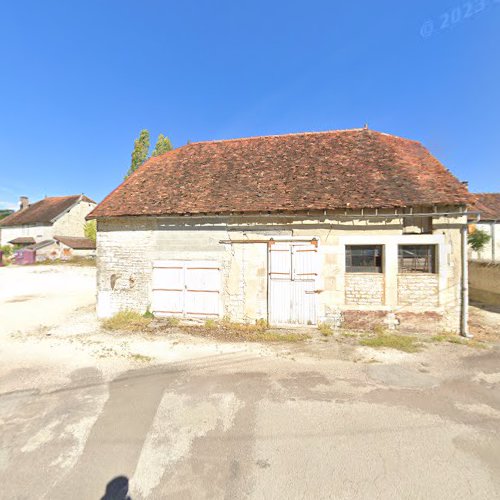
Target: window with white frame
<point x="363" y="258"/>
<point x="417" y="258"/>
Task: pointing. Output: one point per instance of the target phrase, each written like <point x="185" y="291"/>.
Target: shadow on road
<point x="117" y="489"/>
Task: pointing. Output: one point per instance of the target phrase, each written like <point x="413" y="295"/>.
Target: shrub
<point x="477" y="239"/>
<point x="129" y="321"/>
<point x="210" y="324"/>
<point x="7" y="250"/>
<point x="325" y="329"/>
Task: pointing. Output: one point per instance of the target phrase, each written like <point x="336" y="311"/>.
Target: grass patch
<point x="172" y="321"/>
<point x="141" y="358"/>
<point x="129" y="321"/>
<point x="400" y="342"/>
<point x="227" y="331"/>
<point x="325" y="329"/>
<point x="456" y="339"/>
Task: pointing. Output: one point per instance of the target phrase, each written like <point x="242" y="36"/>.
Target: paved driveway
<point x="281" y="422"/>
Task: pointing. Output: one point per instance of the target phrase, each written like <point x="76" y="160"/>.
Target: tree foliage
<point x="163" y="145"/>
<point x="90" y="230"/>
<point x="477" y="239"/>
<point x="140" y="152"/>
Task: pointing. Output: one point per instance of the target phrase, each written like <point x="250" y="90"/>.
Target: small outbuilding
<point x="351" y="227"/>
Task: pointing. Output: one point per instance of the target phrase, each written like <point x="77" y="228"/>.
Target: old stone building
<point x="350" y="227"/>
<point x="45" y="219"/>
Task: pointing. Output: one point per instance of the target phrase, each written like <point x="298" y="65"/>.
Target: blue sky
<point x="80" y="79"/>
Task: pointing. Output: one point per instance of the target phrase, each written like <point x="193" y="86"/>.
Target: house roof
<point x="357" y="168"/>
<point x="22" y="240"/>
<point x="489" y="205"/>
<point x="41" y="244"/>
<point x="77" y="243"/>
<point x="43" y="211"/>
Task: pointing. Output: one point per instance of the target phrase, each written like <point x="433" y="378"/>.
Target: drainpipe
<point x="493" y="244"/>
<point x="464" y="319"/>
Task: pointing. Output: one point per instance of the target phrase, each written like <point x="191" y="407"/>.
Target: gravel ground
<point x="187" y="417"/>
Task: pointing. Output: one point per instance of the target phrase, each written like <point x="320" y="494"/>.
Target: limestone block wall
<point x="418" y="289"/>
<point x="127" y="247"/>
<point x="73" y="221"/>
<point x="364" y="289"/>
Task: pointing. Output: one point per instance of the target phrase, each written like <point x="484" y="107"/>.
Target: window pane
<point x="417" y="258"/>
<point x="363" y="258"/>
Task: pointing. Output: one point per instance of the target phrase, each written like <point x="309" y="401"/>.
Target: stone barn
<point x="352" y="227"/>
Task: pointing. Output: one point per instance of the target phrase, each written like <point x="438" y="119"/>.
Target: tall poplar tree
<point x="140" y="152"/>
<point x="163" y="145"/>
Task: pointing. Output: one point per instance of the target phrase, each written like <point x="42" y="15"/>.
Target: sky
<point x="80" y="79"/>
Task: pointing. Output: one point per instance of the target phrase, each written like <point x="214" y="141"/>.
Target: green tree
<point x="90" y="230"/>
<point x="477" y="239"/>
<point x="140" y="152"/>
<point x="163" y="145"/>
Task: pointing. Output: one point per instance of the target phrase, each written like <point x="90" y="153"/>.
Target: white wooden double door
<point x="293" y="274"/>
<point x="186" y="288"/>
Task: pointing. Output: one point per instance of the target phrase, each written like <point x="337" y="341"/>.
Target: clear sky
<point x="80" y="79"/>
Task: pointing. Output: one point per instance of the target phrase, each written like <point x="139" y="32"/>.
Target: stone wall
<point x="420" y="289"/>
<point x="484" y="282"/>
<point x="364" y="289"/>
<point x="72" y="222"/>
<point x="127" y="247"/>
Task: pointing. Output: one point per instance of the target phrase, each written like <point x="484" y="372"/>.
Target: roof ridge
<point x="293" y="134"/>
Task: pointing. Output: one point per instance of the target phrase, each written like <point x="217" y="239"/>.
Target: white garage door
<point x="186" y="288"/>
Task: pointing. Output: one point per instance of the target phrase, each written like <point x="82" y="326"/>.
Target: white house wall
<point x="487" y="253"/>
<point x="37" y="232"/>
<point x="127" y="247"/>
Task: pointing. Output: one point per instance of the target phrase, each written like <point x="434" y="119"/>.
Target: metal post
<point x="464" y="320"/>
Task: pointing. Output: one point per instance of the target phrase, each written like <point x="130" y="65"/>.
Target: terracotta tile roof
<point x="77" y="243"/>
<point x="22" y="240"/>
<point x="308" y="171"/>
<point x="489" y="205"/>
<point x="42" y="211"/>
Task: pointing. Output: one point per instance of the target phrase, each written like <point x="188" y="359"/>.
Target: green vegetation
<point x="477" y="239"/>
<point x="229" y="331"/>
<point x="453" y="338"/>
<point x="90" y="230"/>
<point x="5" y="213"/>
<point x="141" y="150"/>
<point x="393" y="341"/>
<point x="7" y="250"/>
<point x="325" y="329"/>
<point x="163" y="145"/>
<point x="129" y="321"/>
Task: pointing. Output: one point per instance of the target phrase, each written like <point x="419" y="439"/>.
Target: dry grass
<point x="325" y="329"/>
<point x="228" y="331"/>
<point x="404" y="343"/>
<point x="453" y="338"/>
<point x="74" y="261"/>
<point x="128" y="321"/>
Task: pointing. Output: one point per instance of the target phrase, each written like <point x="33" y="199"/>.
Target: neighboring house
<point x="41" y="221"/>
<point x="488" y="204"/>
<point x="351" y="227"/>
<point x="63" y="247"/>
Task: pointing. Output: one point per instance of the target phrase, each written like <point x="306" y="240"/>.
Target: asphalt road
<point x="237" y="426"/>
